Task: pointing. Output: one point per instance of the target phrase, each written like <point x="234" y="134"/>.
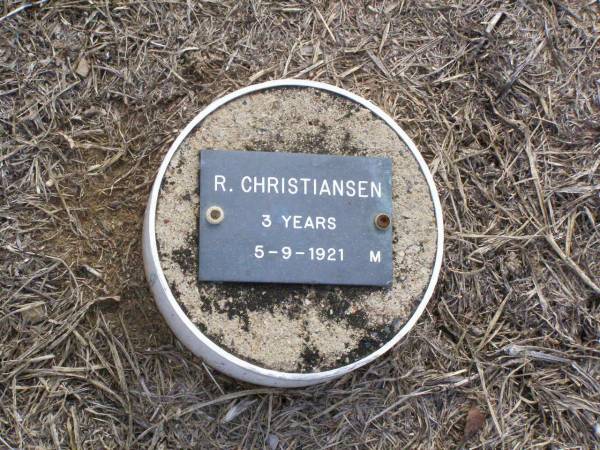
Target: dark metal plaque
<point x="295" y="218"/>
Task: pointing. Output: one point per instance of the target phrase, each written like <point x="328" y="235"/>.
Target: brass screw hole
<point x="215" y="215"/>
<point x="382" y="221"/>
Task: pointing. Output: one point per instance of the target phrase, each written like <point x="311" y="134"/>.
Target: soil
<point x="323" y="327"/>
<point x="501" y="99"/>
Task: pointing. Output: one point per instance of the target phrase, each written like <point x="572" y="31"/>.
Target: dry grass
<point x="502" y="98"/>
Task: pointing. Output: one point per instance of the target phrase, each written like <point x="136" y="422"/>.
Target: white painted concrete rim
<point x="200" y="344"/>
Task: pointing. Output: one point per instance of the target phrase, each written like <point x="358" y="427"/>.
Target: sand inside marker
<point x="296" y="328"/>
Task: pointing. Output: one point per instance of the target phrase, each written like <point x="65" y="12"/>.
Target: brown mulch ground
<point x="502" y="98"/>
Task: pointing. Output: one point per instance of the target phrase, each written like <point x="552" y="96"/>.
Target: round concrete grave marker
<point x="293" y="234"/>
